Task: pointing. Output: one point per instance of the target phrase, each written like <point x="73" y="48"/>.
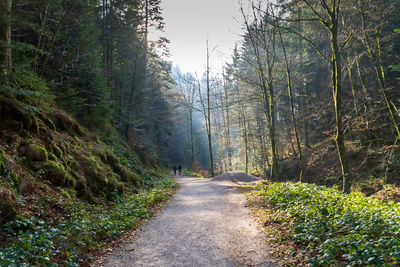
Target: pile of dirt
<point x="237" y="177"/>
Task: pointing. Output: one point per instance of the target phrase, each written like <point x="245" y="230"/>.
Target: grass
<point x="323" y="227"/>
<point x="82" y="229"/>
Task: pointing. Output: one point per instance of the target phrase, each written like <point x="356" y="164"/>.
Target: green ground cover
<point x="332" y="228"/>
<point x="83" y="228"/>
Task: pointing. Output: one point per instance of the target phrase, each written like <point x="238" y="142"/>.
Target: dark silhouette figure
<point x="180" y="169"/>
<point x="174" y="169"/>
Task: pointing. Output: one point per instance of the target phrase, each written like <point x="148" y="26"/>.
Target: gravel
<point x="206" y="224"/>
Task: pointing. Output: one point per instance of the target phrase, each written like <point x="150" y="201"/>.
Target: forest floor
<point x="206" y="224"/>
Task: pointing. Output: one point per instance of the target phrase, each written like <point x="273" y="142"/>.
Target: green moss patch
<point x="57" y="151"/>
<point x="8" y="209"/>
<point x="54" y="172"/>
<point x="125" y="174"/>
<point x="64" y="122"/>
<point x="36" y="153"/>
<point x="51" y="156"/>
<point x="3" y="157"/>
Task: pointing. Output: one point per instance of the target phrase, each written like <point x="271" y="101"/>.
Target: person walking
<point x="174" y="168"/>
<point x="180" y="169"/>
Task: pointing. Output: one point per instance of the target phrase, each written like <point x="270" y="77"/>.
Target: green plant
<point x="192" y="173"/>
<point x="54" y="172"/>
<point x="36" y="153"/>
<point x="34" y="242"/>
<point x="338" y="229"/>
<point x="3" y="157"/>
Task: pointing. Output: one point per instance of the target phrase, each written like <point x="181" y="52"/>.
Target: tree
<point x="5" y="36"/>
<point x="187" y="88"/>
<point x="290" y="92"/>
<point x="368" y="40"/>
<point x="331" y="22"/>
<point x="262" y="38"/>
<point x="207" y="111"/>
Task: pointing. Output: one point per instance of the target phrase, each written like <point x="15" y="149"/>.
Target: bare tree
<point x="372" y="45"/>
<point x="327" y="12"/>
<point x="187" y="87"/>
<point x="290" y="92"/>
<point x="263" y="40"/>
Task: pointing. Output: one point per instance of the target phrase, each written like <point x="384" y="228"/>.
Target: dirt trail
<point x="206" y="224"/>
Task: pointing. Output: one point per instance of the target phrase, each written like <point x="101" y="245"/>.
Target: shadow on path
<point x="206" y="224"/>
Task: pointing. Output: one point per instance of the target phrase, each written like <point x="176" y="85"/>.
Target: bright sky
<point x="188" y="25"/>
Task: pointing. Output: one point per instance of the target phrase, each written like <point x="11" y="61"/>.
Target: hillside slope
<point x="58" y="180"/>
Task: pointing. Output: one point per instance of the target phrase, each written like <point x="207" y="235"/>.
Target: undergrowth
<point x="335" y="229"/>
<point x="83" y="228"/>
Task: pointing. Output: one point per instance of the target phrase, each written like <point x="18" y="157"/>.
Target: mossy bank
<point x="63" y="191"/>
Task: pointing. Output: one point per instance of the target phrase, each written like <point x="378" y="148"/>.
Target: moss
<point x="65" y="194"/>
<point x="72" y="192"/>
<point x="30" y="122"/>
<point x="125" y="174"/>
<point x="70" y="181"/>
<point x="52" y="157"/>
<point x="65" y="123"/>
<point x="83" y="191"/>
<point x="3" y="158"/>
<point x="36" y="153"/>
<point x="8" y="209"/>
<point x="54" y="172"/>
<point x="94" y="138"/>
<point x="116" y="186"/>
<point x="47" y="121"/>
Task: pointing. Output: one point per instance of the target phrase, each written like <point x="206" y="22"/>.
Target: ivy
<point x="85" y="227"/>
<point x="338" y="229"/>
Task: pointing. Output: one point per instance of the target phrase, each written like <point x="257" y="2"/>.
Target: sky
<point x="189" y="23"/>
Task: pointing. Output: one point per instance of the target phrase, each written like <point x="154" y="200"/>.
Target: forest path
<point x="206" y="224"/>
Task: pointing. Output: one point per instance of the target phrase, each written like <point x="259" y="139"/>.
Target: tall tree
<point x="262" y="38"/>
<point x="5" y="36"/>
<point x="208" y="112"/>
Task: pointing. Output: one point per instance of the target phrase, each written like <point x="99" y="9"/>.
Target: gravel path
<point x="206" y="224"/>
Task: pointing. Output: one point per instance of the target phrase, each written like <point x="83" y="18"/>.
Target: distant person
<point x="174" y="168"/>
<point x="180" y="169"/>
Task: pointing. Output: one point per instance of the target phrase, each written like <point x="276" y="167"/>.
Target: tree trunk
<point x="191" y="138"/>
<point x="266" y="78"/>
<point x="376" y="59"/>
<point x="355" y="102"/>
<point x="336" y="76"/>
<point x="303" y="103"/>
<point x="5" y="36"/>
<point x="209" y="115"/>
<point x="243" y="129"/>
<point x="228" y="132"/>
<point x="54" y="37"/>
<point x="271" y="131"/>
<point x="289" y="87"/>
